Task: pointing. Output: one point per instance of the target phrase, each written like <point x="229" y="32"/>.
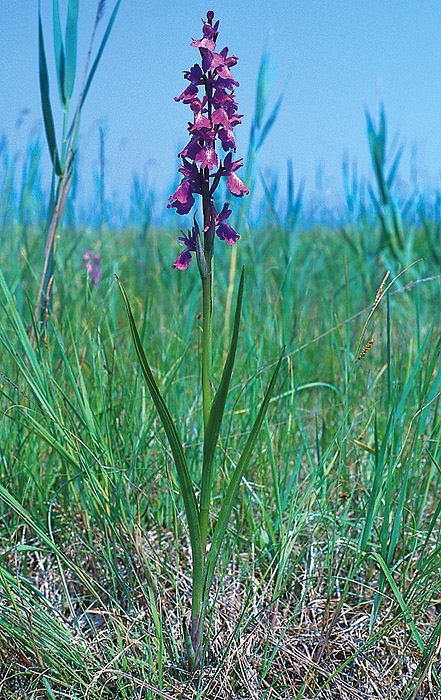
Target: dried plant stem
<point x="45" y="290"/>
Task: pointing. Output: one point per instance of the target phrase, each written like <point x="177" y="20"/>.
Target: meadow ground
<point x="328" y="584"/>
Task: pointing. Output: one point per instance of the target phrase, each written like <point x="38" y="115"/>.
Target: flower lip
<point x="183" y="260"/>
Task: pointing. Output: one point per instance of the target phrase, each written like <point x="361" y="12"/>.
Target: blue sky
<point x="333" y="59"/>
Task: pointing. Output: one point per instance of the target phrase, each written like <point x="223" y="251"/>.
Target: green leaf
<point x="269" y="122"/>
<point x="400" y="600"/>
<point x="394" y="167"/>
<point x="375" y="494"/>
<point x="263" y="89"/>
<point x="100" y="51"/>
<point x="49" y="690"/>
<point x="14" y="505"/>
<point x="71" y="47"/>
<point x="45" y="102"/>
<point x="185" y="482"/>
<point x="216" y="415"/>
<point x="415" y="369"/>
<point x="59" y="52"/>
<point x="233" y="487"/>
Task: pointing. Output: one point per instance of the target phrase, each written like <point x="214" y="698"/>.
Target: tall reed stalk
<point x="63" y="160"/>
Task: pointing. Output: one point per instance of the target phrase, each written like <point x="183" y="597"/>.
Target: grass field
<point x="328" y="582"/>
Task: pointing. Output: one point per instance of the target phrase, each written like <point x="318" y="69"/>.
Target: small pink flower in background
<point x="91" y="262"/>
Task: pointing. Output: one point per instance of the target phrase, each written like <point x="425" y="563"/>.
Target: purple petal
<point x="207" y="157"/>
<point x="182" y="208"/>
<point x="224" y="214"/>
<point x="220" y="116"/>
<point x="192" y="149"/>
<point x="188" y="94"/>
<point x="201" y="122"/>
<point x="227" y="233"/>
<point x="227" y="138"/>
<point x="236" y="186"/>
<point x="204" y="43"/>
<point x="207" y="60"/>
<point x="209" y="31"/>
<point x="183" y="260"/>
<point x="182" y="193"/>
<point x="91" y="262"/>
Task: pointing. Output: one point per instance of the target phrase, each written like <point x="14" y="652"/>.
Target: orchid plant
<point x="206" y="159"/>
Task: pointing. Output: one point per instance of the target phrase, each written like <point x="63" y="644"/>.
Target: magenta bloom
<point x="183" y="198"/>
<point x="91" y="262"/>
<point x="235" y="184"/>
<point x="225" y="231"/>
<point x="211" y="134"/>
<point x="183" y="259"/>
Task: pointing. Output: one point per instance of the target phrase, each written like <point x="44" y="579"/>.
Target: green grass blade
<point x="17" y="507"/>
<point x="233" y="487"/>
<point x="262" y="90"/>
<point x="60" y="61"/>
<point x="216" y="415"/>
<point x="26" y="345"/>
<point x="100" y="51"/>
<point x="40" y="431"/>
<point x="415" y="369"/>
<point x="185" y="482"/>
<point x="377" y="148"/>
<point x="375" y="493"/>
<point x="400" y="600"/>
<point x="394" y="167"/>
<point x="381" y="137"/>
<point x="269" y="122"/>
<point x="45" y="102"/>
<point x="71" y="47"/>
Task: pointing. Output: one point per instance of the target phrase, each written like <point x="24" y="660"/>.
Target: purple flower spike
<point x="211" y="133"/>
<point x="91" y="262"/>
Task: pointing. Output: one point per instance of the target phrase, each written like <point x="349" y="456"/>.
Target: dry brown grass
<point x="259" y="646"/>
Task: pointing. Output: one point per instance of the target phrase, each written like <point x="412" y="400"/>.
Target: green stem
<point x="194" y="640"/>
<point x="206" y="387"/>
<point x="206" y="345"/>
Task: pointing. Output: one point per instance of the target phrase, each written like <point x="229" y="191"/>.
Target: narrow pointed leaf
<point x="375" y="491"/>
<point x="415" y="369"/>
<point x="270" y="198"/>
<point x="217" y="410"/>
<point x="400" y="600"/>
<point x="382" y="135"/>
<point x="100" y="51"/>
<point x="45" y="103"/>
<point x="71" y="47"/>
<point x="270" y="121"/>
<point x="233" y="487"/>
<point x="394" y="168"/>
<point x="15" y="506"/>
<point x="262" y="89"/>
<point x="184" y="477"/>
<point x="59" y="52"/>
